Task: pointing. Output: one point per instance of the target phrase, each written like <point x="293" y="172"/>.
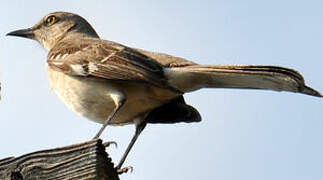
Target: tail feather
<point x="193" y="77"/>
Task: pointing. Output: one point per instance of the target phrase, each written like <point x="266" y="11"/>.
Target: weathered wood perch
<point x="87" y="160"/>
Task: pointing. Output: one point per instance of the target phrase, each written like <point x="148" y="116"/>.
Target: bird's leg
<point x="119" y="104"/>
<point x="139" y="128"/>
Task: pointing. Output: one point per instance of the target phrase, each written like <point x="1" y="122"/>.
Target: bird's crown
<point x="55" y="27"/>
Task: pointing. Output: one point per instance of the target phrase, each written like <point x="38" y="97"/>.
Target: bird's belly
<point x="90" y="97"/>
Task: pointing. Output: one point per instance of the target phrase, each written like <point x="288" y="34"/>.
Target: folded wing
<point x="107" y="60"/>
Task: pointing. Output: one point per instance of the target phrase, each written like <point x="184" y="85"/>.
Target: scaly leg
<point x="139" y="128"/>
<point x="116" y="109"/>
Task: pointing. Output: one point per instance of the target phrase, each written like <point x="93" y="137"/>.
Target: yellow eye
<point x="50" y="20"/>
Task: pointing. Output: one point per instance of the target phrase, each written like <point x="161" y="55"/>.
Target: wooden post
<point x="86" y="160"/>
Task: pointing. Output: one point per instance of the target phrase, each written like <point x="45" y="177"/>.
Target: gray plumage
<point x="115" y="84"/>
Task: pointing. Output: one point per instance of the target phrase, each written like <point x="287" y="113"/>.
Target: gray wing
<point x="108" y="60"/>
<point x="166" y="60"/>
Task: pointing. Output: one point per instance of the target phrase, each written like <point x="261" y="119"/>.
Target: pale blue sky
<point x="244" y="134"/>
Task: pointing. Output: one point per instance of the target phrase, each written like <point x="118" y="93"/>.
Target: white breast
<point x="95" y="98"/>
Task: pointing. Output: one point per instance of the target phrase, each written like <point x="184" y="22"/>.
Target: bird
<point x="114" y="84"/>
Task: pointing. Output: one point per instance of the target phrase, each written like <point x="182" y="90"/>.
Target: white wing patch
<point x="92" y="67"/>
<point x="57" y="63"/>
<point x="79" y="69"/>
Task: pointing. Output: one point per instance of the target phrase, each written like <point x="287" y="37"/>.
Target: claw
<point x="107" y="144"/>
<point x="124" y="170"/>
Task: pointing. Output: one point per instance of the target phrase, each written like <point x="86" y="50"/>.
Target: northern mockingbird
<point x="114" y="84"/>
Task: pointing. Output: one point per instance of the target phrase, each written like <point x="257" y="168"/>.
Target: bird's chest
<point x="92" y="98"/>
<point x="87" y="98"/>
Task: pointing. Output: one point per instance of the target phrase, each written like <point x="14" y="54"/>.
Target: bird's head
<point x="56" y="26"/>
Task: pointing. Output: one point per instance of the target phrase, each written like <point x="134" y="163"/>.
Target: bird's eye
<point x="50" y="20"/>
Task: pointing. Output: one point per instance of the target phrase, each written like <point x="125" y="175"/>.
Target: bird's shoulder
<point x="94" y="50"/>
<point x="97" y="49"/>
<point x="105" y="59"/>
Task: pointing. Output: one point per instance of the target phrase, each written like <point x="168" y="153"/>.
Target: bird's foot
<point x="107" y="144"/>
<point x="124" y="170"/>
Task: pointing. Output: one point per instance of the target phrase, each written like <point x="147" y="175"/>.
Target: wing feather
<point x="108" y="60"/>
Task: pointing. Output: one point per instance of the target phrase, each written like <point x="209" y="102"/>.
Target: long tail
<point x="193" y="77"/>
